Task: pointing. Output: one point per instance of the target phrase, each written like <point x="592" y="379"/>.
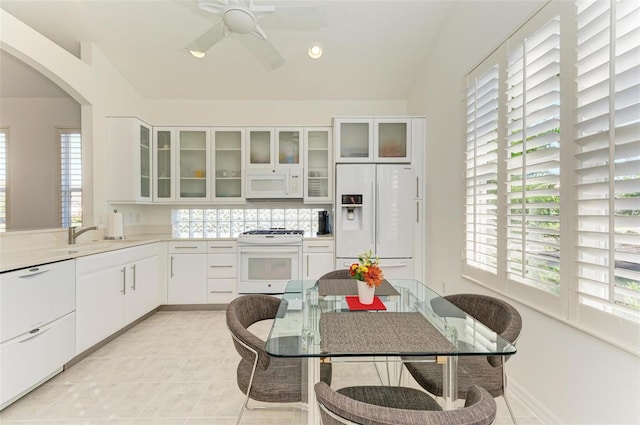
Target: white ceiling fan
<point x="241" y="18"/>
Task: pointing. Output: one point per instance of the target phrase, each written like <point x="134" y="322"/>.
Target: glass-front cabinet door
<point x="163" y="159"/>
<point x="228" y="148"/>
<point x="145" y="162"/>
<point x="193" y="164"/>
<point x="289" y="146"/>
<point x="318" y="165"/>
<point x="259" y="147"/>
<point x="353" y="139"/>
<point x="392" y="140"/>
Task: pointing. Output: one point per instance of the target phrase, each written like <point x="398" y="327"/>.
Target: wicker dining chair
<point x="487" y="372"/>
<point x="383" y="405"/>
<point x="259" y="376"/>
<point x="336" y="274"/>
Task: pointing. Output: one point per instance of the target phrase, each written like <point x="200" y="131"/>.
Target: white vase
<point x="365" y="292"/>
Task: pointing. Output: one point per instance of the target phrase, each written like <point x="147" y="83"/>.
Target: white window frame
<point x="68" y="184"/>
<point x="4" y="179"/>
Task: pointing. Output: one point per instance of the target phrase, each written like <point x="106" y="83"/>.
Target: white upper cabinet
<point x="318" y="165"/>
<point x="373" y="140"/>
<point x="288" y="147"/>
<point x="129" y="160"/>
<point x="260" y="147"/>
<point x="164" y="164"/>
<point x="193" y="164"/>
<point x="228" y="164"/>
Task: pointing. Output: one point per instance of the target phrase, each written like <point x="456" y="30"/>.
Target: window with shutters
<point x="3" y="180"/>
<point x="70" y="177"/>
<point x="553" y="166"/>
<point x="533" y="155"/>
<point x="482" y="171"/>
<point x="607" y="124"/>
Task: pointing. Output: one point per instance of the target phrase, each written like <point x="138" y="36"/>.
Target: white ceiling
<point x="373" y="49"/>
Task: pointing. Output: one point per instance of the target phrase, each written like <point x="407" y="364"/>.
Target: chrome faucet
<point x="73" y="234"/>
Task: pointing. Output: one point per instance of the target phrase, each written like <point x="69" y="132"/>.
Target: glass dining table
<point x="322" y="320"/>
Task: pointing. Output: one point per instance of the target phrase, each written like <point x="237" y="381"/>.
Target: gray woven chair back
<point x="336" y="274"/>
<point x="243" y="312"/>
<point x="498" y="315"/>
<point x="480" y="409"/>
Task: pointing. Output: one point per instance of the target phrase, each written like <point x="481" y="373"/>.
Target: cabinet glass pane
<point x="193" y="164"/>
<point x="163" y="164"/>
<point x="260" y="147"/>
<point x="228" y="163"/>
<point x="318" y="164"/>
<point x="289" y="147"/>
<point x="354" y="140"/>
<point x="392" y="140"/>
<point x="145" y="162"/>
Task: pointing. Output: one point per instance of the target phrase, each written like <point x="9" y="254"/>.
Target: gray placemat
<point x="350" y="287"/>
<point x="370" y="333"/>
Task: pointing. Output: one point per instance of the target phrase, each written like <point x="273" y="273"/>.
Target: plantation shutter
<point x="70" y="178"/>
<point x="533" y="160"/>
<point x="608" y="156"/>
<point x="3" y="180"/>
<point x="482" y="171"/>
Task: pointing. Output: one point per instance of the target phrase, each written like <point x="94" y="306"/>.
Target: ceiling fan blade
<point x="263" y="50"/>
<point x="216" y="7"/>
<point x="208" y="39"/>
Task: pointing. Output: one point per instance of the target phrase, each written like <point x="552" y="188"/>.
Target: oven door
<point x="268" y="269"/>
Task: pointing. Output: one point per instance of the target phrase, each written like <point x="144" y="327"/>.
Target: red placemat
<point x="354" y="304"/>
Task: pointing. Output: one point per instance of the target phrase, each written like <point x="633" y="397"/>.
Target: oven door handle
<point x="268" y="249"/>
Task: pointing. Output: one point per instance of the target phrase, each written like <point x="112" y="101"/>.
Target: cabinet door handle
<point x="171" y="264"/>
<point x="417" y="187"/>
<point x="220" y="292"/>
<point x="34" y="271"/>
<point x="417" y="212"/>
<point x="214" y="266"/>
<point x="185" y="247"/>
<point x="124" y="281"/>
<point x="307" y="266"/>
<point x="221" y="247"/>
<point x="133" y="269"/>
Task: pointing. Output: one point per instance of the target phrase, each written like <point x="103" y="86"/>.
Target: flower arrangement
<point x="367" y="269"/>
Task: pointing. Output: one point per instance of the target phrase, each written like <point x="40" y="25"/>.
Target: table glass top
<point x="315" y="320"/>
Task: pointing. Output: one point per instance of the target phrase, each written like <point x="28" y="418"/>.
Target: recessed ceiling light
<point x="315" y="51"/>
<point x="197" y="54"/>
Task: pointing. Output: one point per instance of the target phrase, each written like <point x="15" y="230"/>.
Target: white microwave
<point x="274" y="184"/>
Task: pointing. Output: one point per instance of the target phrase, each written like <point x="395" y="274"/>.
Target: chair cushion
<point x="396" y="397"/>
<point x="472" y="370"/>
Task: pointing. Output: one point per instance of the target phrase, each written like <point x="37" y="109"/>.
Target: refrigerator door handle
<point x="375" y="216"/>
<point x="394" y="265"/>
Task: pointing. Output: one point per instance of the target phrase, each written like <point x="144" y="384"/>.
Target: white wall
<point x="33" y="147"/>
<point x="564" y="374"/>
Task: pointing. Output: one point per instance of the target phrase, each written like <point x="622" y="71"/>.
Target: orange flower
<point x="367" y="269"/>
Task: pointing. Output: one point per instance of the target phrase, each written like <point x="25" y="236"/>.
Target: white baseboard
<point x="518" y="392"/>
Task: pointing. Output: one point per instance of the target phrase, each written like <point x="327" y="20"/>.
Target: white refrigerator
<point x="375" y="209"/>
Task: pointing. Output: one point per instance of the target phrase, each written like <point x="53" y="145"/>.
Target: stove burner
<point x="274" y="232"/>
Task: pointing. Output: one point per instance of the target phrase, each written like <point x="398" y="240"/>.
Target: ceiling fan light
<point x="315" y="51"/>
<point x="239" y="20"/>
<point x="197" y="54"/>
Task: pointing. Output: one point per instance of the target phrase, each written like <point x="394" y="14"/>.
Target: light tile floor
<point x="175" y="368"/>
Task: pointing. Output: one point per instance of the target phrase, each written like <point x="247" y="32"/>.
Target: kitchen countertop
<point x="21" y="258"/>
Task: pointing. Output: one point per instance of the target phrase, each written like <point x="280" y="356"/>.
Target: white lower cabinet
<point x="114" y="289"/>
<point x="222" y="271"/>
<point x="318" y="258"/>
<point x="187" y="283"/>
<point x="37" y="326"/>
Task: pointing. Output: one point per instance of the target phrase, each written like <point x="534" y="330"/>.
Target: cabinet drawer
<point x="186" y="247"/>
<point x="222" y="265"/>
<point x="222" y="247"/>
<point x="221" y="290"/>
<point x="31" y="297"/>
<point x="27" y="360"/>
<point x="309" y="247"/>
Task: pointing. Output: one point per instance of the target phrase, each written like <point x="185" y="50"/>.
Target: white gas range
<point x="268" y="259"/>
